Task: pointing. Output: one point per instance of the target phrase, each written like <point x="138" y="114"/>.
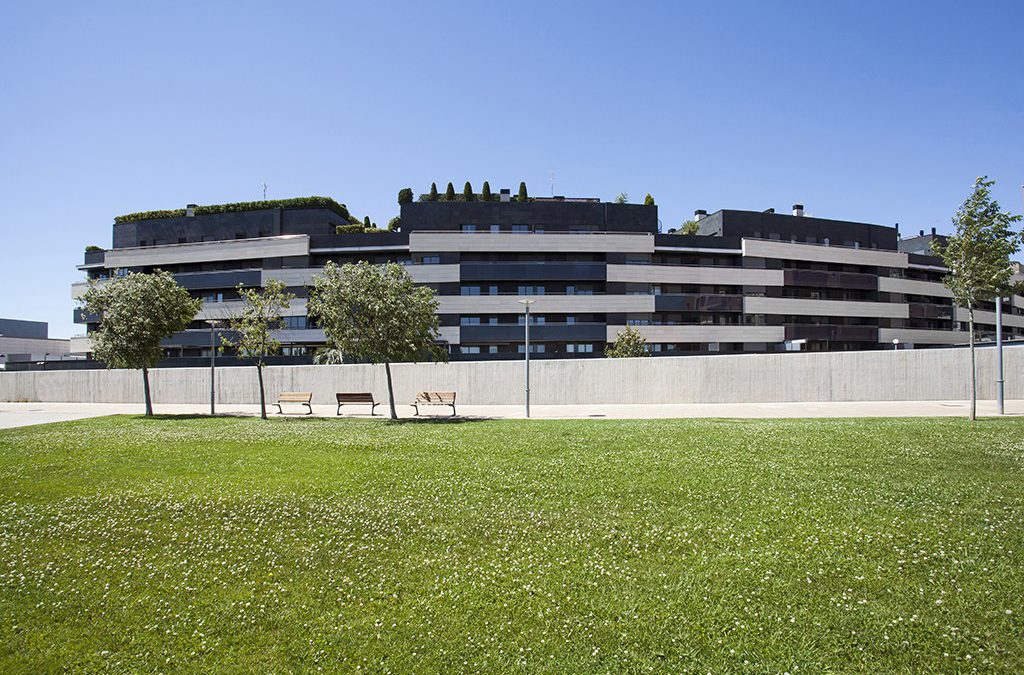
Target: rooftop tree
<point x="979" y="259"/>
<point x="622" y="198"/>
<point x="375" y="314"/>
<point x="254" y="326"/>
<point x="136" y="312"/>
<point x="648" y="200"/>
<point x="395" y="224"/>
<point x="628" y="344"/>
<point x="522" y="192"/>
<point x="432" y="195"/>
<point x="405" y="196"/>
<point x="467" y="192"/>
<point x="485" y="192"/>
<point x="449" y="192"/>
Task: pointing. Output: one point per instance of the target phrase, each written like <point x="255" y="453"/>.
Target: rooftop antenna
<point x="551" y="175"/>
<point x="264" y="186"/>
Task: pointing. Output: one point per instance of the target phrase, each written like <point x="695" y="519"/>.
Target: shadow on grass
<point x="291" y="419"/>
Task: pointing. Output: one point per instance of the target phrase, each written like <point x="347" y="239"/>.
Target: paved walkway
<point x="24" y="414"/>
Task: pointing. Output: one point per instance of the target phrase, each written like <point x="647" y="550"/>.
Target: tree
<point x="622" y="198"/>
<point x="467" y="192"/>
<point x="523" y="197"/>
<point x="254" y="325"/>
<point x="366" y="223"/>
<point x="449" y="192"/>
<point x="690" y="227"/>
<point x="648" y="200"/>
<point x="375" y="314"/>
<point x="979" y="258"/>
<point x="405" y="196"/>
<point x="433" y="193"/>
<point x="628" y="344"/>
<point x="136" y="312"/>
<point x="395" y="224"/>
<point x="485" y="192"/>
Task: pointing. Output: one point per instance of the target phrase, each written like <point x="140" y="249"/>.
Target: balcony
<point x="922" y="310"/>
<point x="824" y="279"/>
<point x="532" y="271"/>
<point x="704" y="302"/>
<point x="831" y="333"/>
<point x="557" y="332"/>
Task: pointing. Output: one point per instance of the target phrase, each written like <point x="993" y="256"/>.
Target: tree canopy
<point x="629" y="343"/>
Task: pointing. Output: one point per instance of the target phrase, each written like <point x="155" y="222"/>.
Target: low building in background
<point x="747" y="281"/>
<point x="23" y="341"/>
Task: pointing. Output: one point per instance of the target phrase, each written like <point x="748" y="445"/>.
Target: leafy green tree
<point x="433" y="192"/>
<point x="628" y="344"/>
<point x="689" y="227"/>
<point x="254" y="327"/>
<point x="449" y="192"/>
<point x="979" y="257"/>
<point x="485" y="192"/>
<point x="405" y="196"/>
<point x="648" y="200"/>
<point x="395" y="224"/>
<point x="136" y="312"/>
<point x="523" y="197"/>
<point x="375" y="314"/>
<point x="622" y="198"/>
<point x="366" y="223"/>
<point x="467" y="192"/>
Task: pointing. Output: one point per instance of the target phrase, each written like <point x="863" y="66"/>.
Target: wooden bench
<point x="434" y="398"/>
<point x="301" y="397"/>
<point x="365" y="398"/>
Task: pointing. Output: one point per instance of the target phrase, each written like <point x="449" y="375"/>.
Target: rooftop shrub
<point x="294" y="203"/>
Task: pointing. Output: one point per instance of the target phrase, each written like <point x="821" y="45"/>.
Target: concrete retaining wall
<point x="926" y="374"/>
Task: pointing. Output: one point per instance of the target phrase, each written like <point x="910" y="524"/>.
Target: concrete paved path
<point x="24" y="414"/>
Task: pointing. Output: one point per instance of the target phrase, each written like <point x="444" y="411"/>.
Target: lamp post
<point x="999" y="355"/>
<point x="895" y="343"/>
<point x="526" y="304"/>
<point x="213" y="363"/>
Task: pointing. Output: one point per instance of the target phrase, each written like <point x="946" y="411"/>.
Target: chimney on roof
<point x="920" y="233"/>
<point x="190" y="211"/>
<point x="769" y="211"/>
<point x="699" y="215"/>
<point x="505" y="195"/>
<point x="798" y="209"/>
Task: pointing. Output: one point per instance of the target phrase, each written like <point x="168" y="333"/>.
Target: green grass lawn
<point x="129" y="544"/>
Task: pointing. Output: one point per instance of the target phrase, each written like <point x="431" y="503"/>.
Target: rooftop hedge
<point x="294" y="203"/>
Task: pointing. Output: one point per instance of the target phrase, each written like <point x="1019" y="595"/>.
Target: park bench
<point x="300" y="397"/>
<point x="365" y="398"/>
<point x="434" y="398"/>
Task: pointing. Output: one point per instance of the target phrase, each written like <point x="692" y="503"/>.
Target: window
<point x="570" y="320"/>
<point x="469" y="228"/>
<point x="295" y="322"/>
<point x="579" y="348"/>
<point x="295" y="350"/>
<point x="469" y="349"/>
<point x="579" y="290"/>
<point x="492" y="349"/>
<point x="531" y="290"/>
<point x="534" y="320"/>
<point x="430" y="260"/>
<point x="534" y="349"/>
<point x="495" y="229"/>
<point x="521" y="228"/>
<point x="469" y="321"/>
<point x="470" y="290"/>
<point x="213" y="296"/>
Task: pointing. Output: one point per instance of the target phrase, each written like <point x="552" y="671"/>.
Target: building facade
<point x="746" y="282"/>
<point x="22" y="341"/>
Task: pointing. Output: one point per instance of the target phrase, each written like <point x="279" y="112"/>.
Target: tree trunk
<point x="263" y="395"/>
<point x="974" y="374"/>
<point x="391" y="391"/>
<point x="145" y="392"/>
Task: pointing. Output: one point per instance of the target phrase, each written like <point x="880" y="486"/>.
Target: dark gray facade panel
<point x="499" y="271"/>
<point x="19" y="328"/>
<point x="203" y="280"/>
<point x="698" y="303"/>
<point x="553" y="216"/>
<point x="580" y="332"/>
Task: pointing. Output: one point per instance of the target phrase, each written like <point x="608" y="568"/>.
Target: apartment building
<point x="22" y="341"/>
<point x="748" y="281"/>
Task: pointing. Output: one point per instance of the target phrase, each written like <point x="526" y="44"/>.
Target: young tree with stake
<point x="979" y="258"/>
<point x="255" y="324"/>
<point x="136" y="312"/>
<point x="375" y="314"/>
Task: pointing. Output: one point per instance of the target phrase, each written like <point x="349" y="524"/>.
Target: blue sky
<point x="873" y="111"/>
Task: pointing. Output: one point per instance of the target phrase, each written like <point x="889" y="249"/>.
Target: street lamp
<point x="213" y="362"/>
<point x="895" y="343"/>
<point x="999" y="355"/>
<point x="526" y="303"/>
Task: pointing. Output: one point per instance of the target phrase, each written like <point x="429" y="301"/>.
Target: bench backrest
<point x="444" y="397"/>
<point x="359" y="397"/>
<point x="295" y="396"/>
